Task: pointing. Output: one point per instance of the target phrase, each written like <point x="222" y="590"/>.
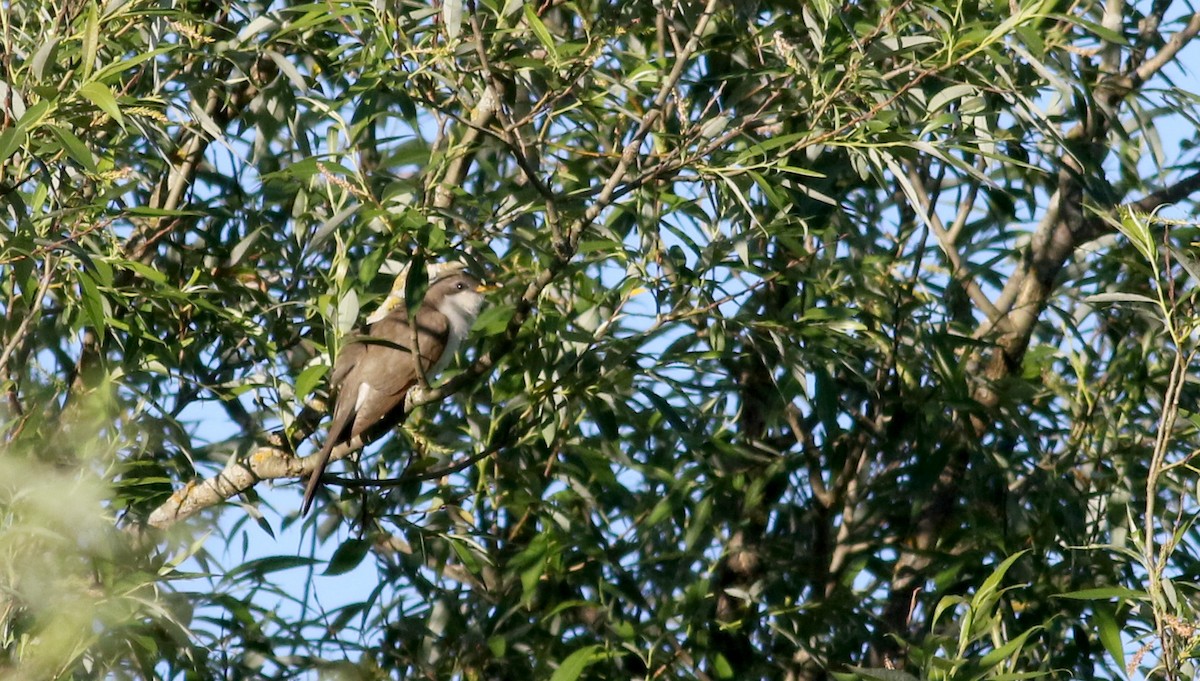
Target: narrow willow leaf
<point x="103" y="98"/>
<point x="348" y="308"/>
<point x="91" y="39"/>
<point x="1109" y="632"/>
<point x="452" y="18"/>
<point x="10" y="140"/>
<point x="43" y="56"/>
<point x="94" y="303"/>
<point x="1120" y="298"/>
<point x="308" y="379"/>
<point x="540" y="30"/>
<point x="74" y="147"/>
<point x="571" y="668"/>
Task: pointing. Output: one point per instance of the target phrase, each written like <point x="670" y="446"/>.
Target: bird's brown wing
<point x="390" y="348"/>
<point x="352" y="351"/>
<point x="379" y="360"/>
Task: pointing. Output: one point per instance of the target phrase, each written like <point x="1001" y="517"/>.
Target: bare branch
<point x="1164" y="56"/>
<point x="957" y="269"/>
<point x="264" y="463"/>
<point x="1173" y="194"/>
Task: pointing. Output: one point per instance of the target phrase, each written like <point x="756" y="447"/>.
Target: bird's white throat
<point x="460" y="309"/>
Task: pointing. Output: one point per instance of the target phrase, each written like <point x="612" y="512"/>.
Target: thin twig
<point x="34" y="312"/>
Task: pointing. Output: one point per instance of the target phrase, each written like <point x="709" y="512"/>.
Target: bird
<point x="374" y="372"/>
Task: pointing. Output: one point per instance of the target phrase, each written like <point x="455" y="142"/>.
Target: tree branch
<point x="1168" y="52"/>
<point x="958" y="270"/>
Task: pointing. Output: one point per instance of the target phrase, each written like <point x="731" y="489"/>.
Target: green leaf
<point x="494" y="320"/>
<point x="239" y="251"/>
<point x="699" y="524"/>
<point x="1106" y="35"/>
<point x="265" y="566"/>
<point x="10" y="140"/>
<point x="94" y="303"/>
<point x="345" y="614"/>
<point x="721" y="667"/>
<point x="1109" y="631"/>
<point x="103" y="98"/>
<point x="452" y="17"/>
<point x="308" y="379"/>
<point x="667" y="410"/>
<point x="572" y="667"/>
<point x="1136" y="228"/>
<point x="147" y="211"/>
<point x="608" y="246"/>
<point x="74" y="147"/>
<point x="1189" y="264"/>
<point x="44" y="55"/>
<point x="124" y="65"/>
<point x="1007" y="650"/>
<point x="992" y="583"/>
<point x="944" y="604"/>
<point x="91" y="39"/>
<point x="35" y="114"/>
<point x="1119" y="298"/>
<point x="289" y="70"/>
<point x="882" y="674"/>
<point x="540" y="30"/>
<point x="143" y="270"/>
<point x="530" y="577"/>
<point x="415" y="284"/>
<point x="943" y="97"/>
<point x="661" y="511"/>
<point x="532" y="565"/>
<point x="466" y="555"/>
<point x="347" y="556"/>
<point x="347" y="312"/>
<point x="1105" y="593"/>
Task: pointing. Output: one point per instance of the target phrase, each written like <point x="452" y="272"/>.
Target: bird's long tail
<point x="314" y="480"/>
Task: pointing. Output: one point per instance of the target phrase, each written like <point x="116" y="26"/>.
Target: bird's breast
<point x="460" y="317"/>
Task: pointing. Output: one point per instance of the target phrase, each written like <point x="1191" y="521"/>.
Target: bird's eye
<point x="461" y="286"/>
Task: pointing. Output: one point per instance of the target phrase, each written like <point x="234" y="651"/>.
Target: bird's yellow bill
<point x="485" y="288"/>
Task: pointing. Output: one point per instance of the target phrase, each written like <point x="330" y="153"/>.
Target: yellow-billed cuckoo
<point x="374" y="372"/>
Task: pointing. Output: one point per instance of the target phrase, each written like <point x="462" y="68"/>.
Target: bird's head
<point x="459" y="296"/>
